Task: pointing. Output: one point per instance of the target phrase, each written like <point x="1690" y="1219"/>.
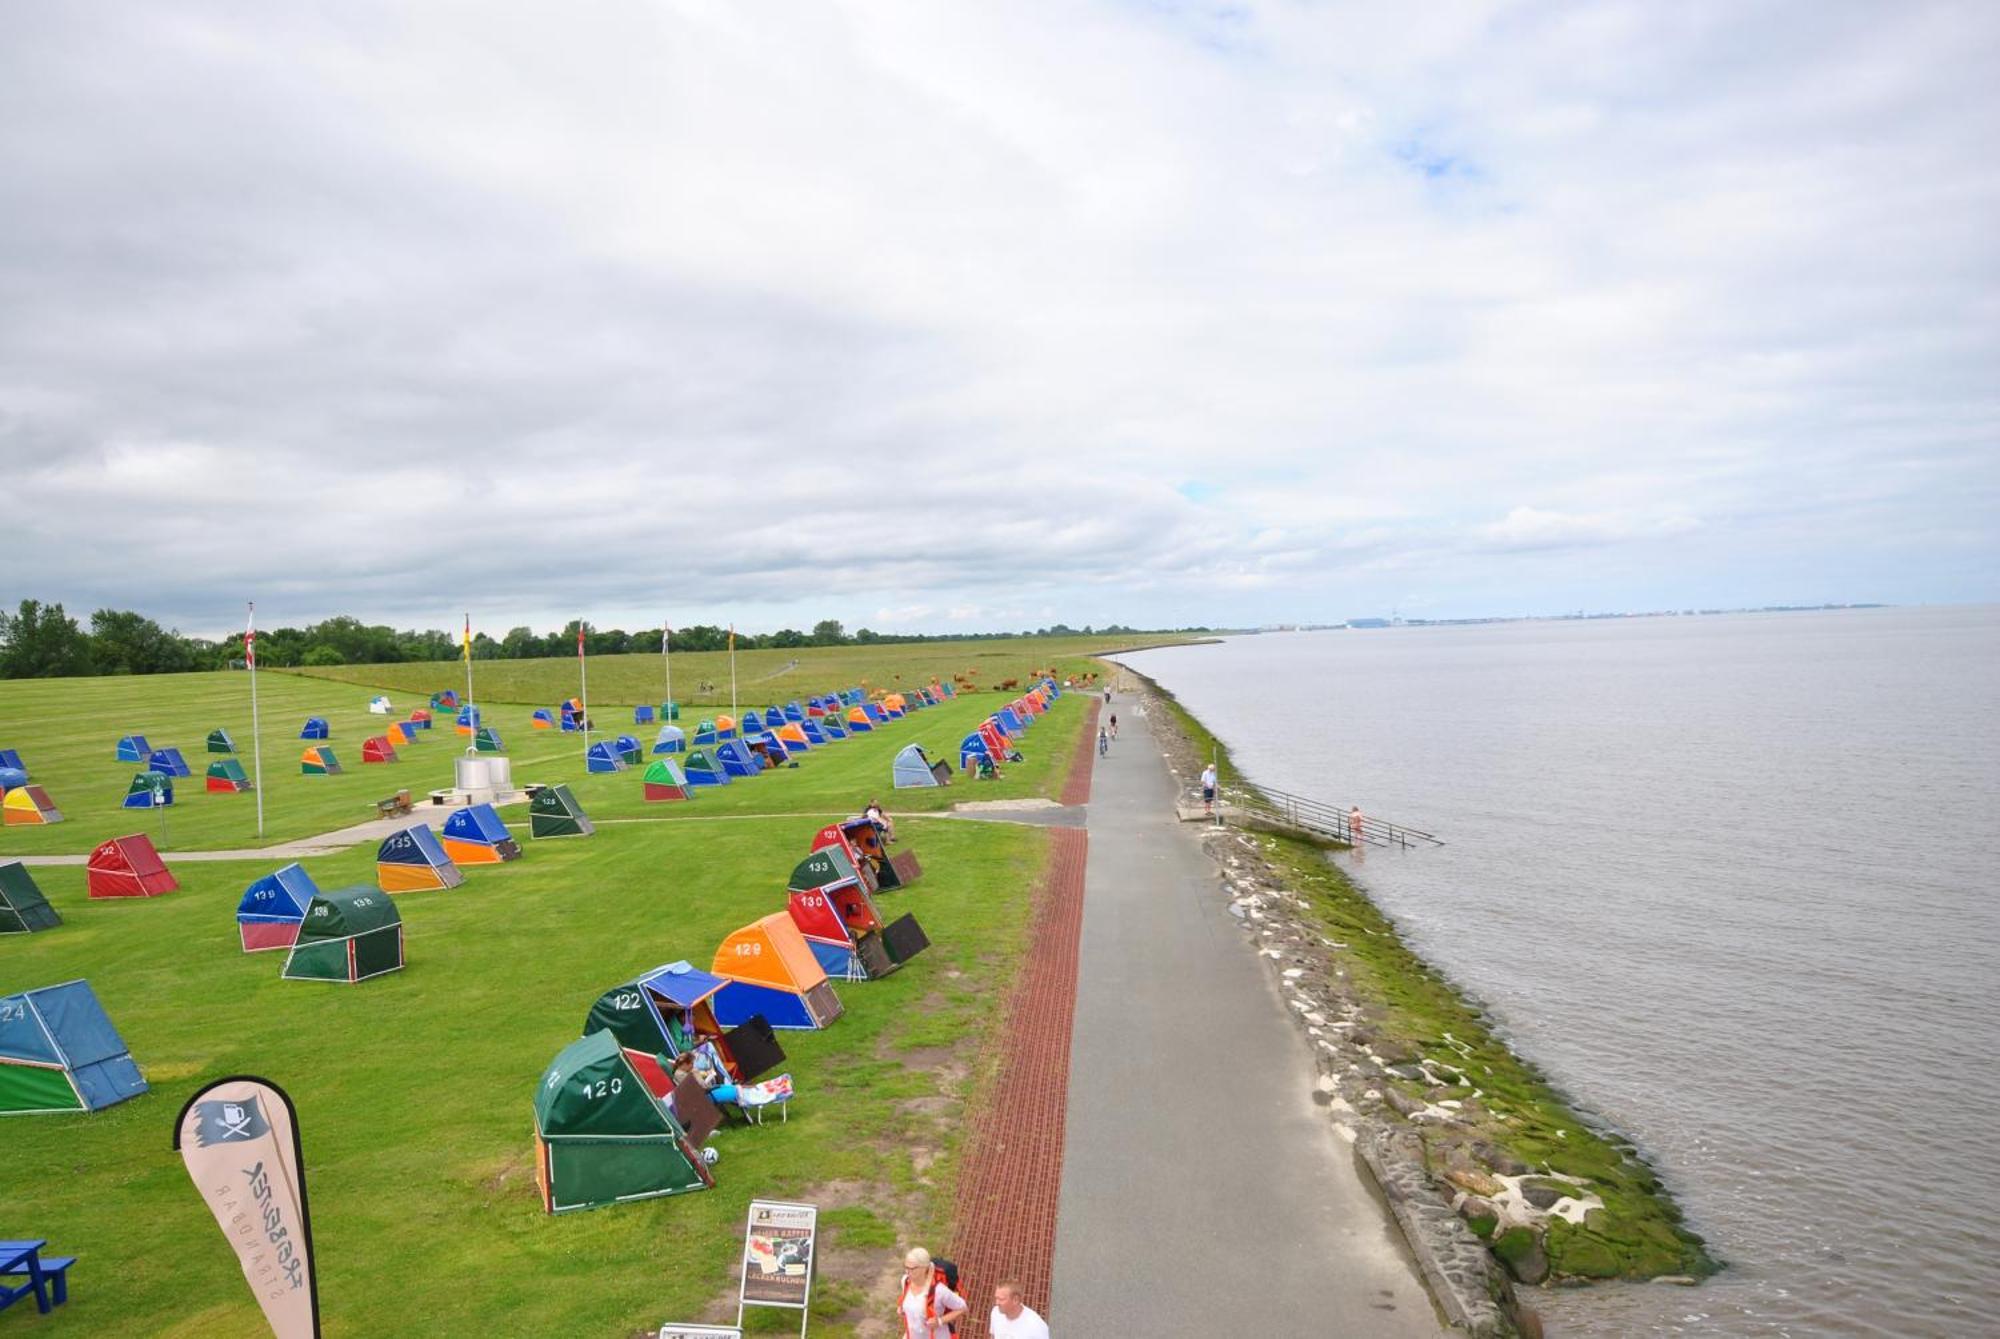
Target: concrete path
<point x="1203" y="1193"/>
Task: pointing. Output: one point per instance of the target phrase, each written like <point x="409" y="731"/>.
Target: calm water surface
<point x="1728" y="880"/>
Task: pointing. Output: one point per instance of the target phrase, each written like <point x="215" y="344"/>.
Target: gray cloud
<point x="940" y="316"/>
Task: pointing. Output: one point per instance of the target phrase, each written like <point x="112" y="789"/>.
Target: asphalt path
<point x="1203" y="1192"/>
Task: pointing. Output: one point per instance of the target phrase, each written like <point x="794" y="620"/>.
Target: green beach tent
<point x="349" y="934"/>
<point x="602" y="1138"/>
<point x="23" y="909"/>
<point x="554" y="812"/>
<point x="220" y="742"/>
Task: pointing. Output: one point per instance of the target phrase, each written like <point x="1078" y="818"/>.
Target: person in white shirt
<point x="1208" y="788"/>
<point x="928" y="1307"/>
<point x="1012" y="1317"/>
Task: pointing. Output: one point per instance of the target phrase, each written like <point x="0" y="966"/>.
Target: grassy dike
<point x="414" y="1088"/>
<point x="1554" y="1198"/>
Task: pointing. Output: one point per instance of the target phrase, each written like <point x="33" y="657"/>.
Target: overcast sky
<point x="933" y="316"/>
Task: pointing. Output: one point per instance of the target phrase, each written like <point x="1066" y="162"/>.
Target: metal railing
<point x="1324" y="820"/>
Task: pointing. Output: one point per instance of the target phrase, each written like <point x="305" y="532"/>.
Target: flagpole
<point x="583" y="687"/>
<point x="472" y="740"/>
<point x="256" y="730"/>
<point x="732" y="669"/>
<point x="667" y="658"/>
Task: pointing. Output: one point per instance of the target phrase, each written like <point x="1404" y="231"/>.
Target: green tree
<point x="786" y="638"/>
<point x="319" y="653"/>
<point x="828" y="632"/>
<point x="42" y="642"/>
<point x="124" y="642"/>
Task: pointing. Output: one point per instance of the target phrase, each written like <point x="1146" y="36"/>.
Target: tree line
<point x="42" y="641"/>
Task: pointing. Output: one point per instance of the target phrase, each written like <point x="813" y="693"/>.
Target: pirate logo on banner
<point x="239" y="1139"/>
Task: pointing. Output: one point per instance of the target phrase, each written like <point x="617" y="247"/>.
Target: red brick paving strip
<point x="1005" y="1223"/>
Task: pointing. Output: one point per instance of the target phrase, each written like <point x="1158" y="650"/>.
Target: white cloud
<point x="931" y="310"/>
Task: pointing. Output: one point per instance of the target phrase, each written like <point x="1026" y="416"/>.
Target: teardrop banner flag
<point x="239" y="1137"/>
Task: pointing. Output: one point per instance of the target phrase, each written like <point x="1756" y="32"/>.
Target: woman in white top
<point x="928" y="1308"/>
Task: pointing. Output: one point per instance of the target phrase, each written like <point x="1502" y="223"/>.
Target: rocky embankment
<point x="1493" y="1178"/>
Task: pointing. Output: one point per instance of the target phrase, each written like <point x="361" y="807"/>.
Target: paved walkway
<point x="1202" y="1191"/>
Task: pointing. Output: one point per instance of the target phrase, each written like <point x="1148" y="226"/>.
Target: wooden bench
<point x="46" y="1277"/>
<point x="395" y="806"/>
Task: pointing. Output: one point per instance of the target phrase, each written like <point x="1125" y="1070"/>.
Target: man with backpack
<point x="928" y="1307"/>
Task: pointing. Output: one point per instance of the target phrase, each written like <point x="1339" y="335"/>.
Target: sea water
<point x="1728" y="880"/>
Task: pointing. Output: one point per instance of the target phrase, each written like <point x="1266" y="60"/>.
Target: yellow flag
<point x="468" y="638"/>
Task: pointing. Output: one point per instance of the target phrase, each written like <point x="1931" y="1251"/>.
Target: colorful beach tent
<point x="467" y="721"/>
<point x="659" y="1014"/>
<point x="971" y="749"/>
<point x="421" y="718"/>
<point x="220" y="742"/>
<point x="829" y="903"/>
<point x="23" y="909"/>
<point x="671" y="739"/>
<point x="701" y="770"/>
<point x="445" y="701"/>
<point x="475" y="835"/>
<point x="319" y="761"/>
<point x="810" y="730"/>
<point x="628" y="749"/>
<point x="601" y="1137"/>
<point x="315" y="728"/>
<point x="227" y="777"/>
<point x="770" y="753"/>
<point x="149" y="790"/>
<point x="875" y="713"/>
<point x="704" y="733"/>
<point x="268" y="916"/>
<point x="913" y="768"/>
<point x="10" y="777"/>
<point x="772" y="972"/>
<point x="487" y="740"/>
<point x="543" y="719"/>
<point x="793" y="736"/>
<point x="831" y="727"/>
<point x="411" y="861"/>
<point x="404" y="732"/>
<point x="170" y="762"/>
<point x="377" y="748"/>
<point x="725" y="726"/>
<point x="60" y="1052"/>
<point x="28" y="806"/>
<point x="128" y="867"/>
<point x="554" y="812"/>
<point x="379" y="705"/>
<point x="664" y="782"/>
<point x="738" y="758"/>
<point x="603" y="757"/>
<point x="865" y="837"/>
<point x="134" y="748"/>
<point x="348" y="934"/>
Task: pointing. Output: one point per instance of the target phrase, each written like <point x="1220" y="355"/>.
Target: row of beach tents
<point x="613" y="1124"/>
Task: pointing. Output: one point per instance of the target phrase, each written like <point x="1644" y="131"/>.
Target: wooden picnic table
<point x="23" y="1257"/>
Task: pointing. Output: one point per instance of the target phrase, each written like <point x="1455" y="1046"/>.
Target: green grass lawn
<point x="761" y="676"/>
<point x="67" y="729"/>
<point x="413" y="1089"/>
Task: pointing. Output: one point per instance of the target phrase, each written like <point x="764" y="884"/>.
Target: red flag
<point x="250" y="640"/>
<point x="579" y="640"/>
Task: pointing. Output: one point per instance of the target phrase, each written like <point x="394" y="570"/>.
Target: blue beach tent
<point x="603" y="757"/>
<point x="773" y="719"/>
<point x="315" y="728"/>
<point x="149" y="790"/>
<point x="134" y="748"/>
<point x="12" y="758"/>
<point x="831" y="727"/>
<point x="642" y="714"/>
<point x="702" y="770"/>
<point x="273" y="908"/>
<point x="875" y="712"/>
<point x="704" y="733"/>
<point x="628" y="748"/>
<point x="794" y="712"/>
<point x="60" y="1052"/>
<point x="543" y="715"/>
<point x="1011" y="721"/>
<point x="913" y="768"/>
<point x="810" y="728"/>
<point x="737" y="759"/>
<point x="170" y="762"/>
<point x="671" y="739"/>
<point x="971" y="749"/>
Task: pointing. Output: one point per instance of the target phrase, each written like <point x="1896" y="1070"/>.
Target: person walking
<point x="1012" y="1317"/>
<point x="928" y="1307"/>
<point x="1208" y="789"/>
<point x="1103" y="742"/>
<point x="1114" y="725"/>
<point x="1354" y="828"/>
